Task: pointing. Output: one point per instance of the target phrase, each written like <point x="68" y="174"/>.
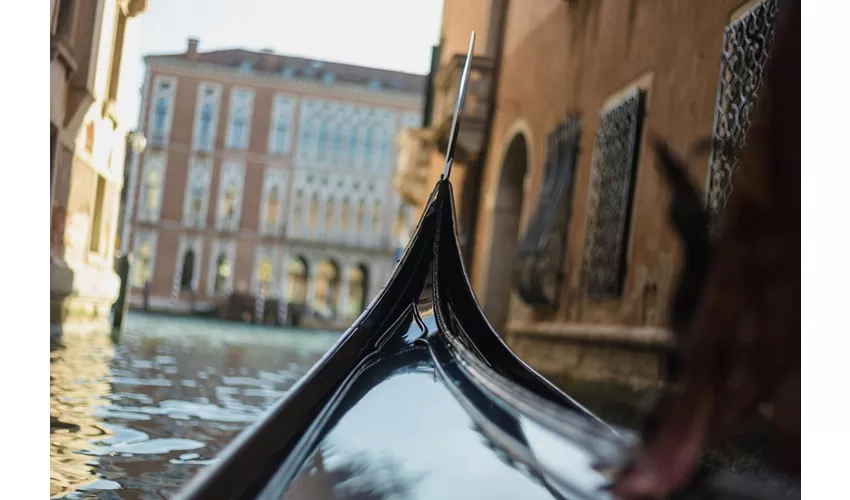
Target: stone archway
<point x="506" y="218"/>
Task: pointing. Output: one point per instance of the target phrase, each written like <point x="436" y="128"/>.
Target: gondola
<point x="420" y="398"/>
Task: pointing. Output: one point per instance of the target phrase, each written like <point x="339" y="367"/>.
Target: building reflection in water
<point x="137" y="420"/>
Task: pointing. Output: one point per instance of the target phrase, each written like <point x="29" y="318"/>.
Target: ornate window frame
<point x="611" y="196"/>
<point x="196" y="244"/>
<point x="541" y="251"/>
<point x="241" y="101"/>
<point x="232" y="174"/>
<point x="274" y="180"/>
<point x="199" y="176"/>
<point x="747" y="41"/>
<point x="208" y="93"/>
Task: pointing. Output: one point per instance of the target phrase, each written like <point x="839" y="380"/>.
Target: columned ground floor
<point x="185" y="271"/>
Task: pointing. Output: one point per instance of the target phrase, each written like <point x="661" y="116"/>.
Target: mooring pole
<point x="122" y="305"/>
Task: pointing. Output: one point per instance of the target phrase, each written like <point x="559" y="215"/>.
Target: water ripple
<point x="137" y="420"/>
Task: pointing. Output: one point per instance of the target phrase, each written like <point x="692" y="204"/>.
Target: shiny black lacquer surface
<point x="419" y="399"/>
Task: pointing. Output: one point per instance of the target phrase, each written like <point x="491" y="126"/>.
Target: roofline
<point x="181" y="55"/>
<point x="203" y="68"/>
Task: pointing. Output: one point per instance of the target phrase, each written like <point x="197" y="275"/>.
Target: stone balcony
<point x="472" y="132"/>
<point x="412" y="168"/>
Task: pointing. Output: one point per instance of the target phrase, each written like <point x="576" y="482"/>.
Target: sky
<point x="388" y="34"/>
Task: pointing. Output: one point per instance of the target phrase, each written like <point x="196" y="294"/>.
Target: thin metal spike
<point x="461" y="98"/>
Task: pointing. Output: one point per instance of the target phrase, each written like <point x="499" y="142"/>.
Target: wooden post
<point x="122" y="305"/>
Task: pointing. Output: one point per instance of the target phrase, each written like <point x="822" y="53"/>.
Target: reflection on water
<point x="139" y="419"/>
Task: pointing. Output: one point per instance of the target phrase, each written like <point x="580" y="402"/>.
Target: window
<point x="280" y="136"/>
<point x="374" y="84"/>
<point x="313" y="217"/>
<point x="330" y="213"/>
<point x="239" y="121"/>
<point x="328" y="78"/>
<point x="272" y="208"/>
<point x="187" y="273"/>
<point x="228" y="205"/>
<point x="298" y="207"/>
<point x="288" y="72"/>
<point x="160" y="113"/>
<point x="376" y="217"/>
<point x="152" y="186"/>
<point x="238" y="136"/>
<point x="337" y="140"/>
<point x="361" y="215"/>
<point x="296" y="281"/>
<point x="385" y="145"/>
<point x="346" y="207"/>
<point x="246" y="65"/>
<point x="609" y="210"/>
<point x="264" y="276"/>
<point x="352" y="145"/>
<point x="197" y="207"/>
<point x="222" y="274"/>
<point x="97" y="217"/>
<point x="356" y="291"/>
<point x="205" y="137"/>
<point x="323" y="139"/>
<point x="367" y="143"/>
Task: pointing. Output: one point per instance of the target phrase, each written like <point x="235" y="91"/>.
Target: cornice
<point x="294" y="84"/>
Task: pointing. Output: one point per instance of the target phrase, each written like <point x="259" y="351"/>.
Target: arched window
<point x="326" y="288"/>
<point x="160" y="113"/>
<point x="222" y="273"/>
<point x="357" y="292"/>
<point x="296" y="281"/>
<point x="187" y="273"/>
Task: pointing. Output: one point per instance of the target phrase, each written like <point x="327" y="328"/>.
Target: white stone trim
<point x="161" y="138"/>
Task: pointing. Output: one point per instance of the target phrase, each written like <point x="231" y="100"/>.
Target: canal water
<point x="140" y="418"/>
